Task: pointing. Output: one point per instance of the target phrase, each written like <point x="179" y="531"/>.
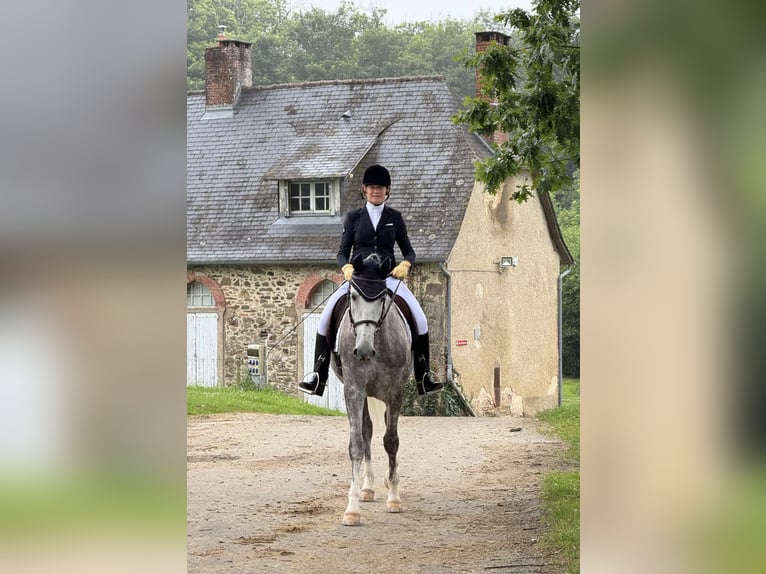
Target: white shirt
<point x="375" y="211"/>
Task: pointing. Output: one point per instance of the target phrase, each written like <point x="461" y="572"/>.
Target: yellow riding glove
<point x="401" y="270"/>
<point x="347" y="270"/>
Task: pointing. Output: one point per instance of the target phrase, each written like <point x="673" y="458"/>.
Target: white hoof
<point x="368" y="495"/>
<point x="394" y="506"/>
<point x="351" y="519"/>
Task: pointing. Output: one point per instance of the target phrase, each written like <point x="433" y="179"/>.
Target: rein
<point x="383" y="314"/>
<point x="298" y="324"/>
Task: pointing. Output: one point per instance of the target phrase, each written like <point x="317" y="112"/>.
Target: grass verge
<point x="248" y="399"/>
<point x="561" y="490"/>
<point x="94" y="501"/>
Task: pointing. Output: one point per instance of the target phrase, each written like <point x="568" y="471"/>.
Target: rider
<point x="367" y="249"/>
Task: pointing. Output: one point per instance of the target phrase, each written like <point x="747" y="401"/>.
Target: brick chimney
<point x="483" y="40"/>
<point x="228" y="69"/>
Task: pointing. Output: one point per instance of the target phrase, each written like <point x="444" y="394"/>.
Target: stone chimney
<point x="483" y="40"/>
<point x="228" y="69"/>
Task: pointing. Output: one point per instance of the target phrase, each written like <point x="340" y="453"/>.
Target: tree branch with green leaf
<point x="530" y="90"/>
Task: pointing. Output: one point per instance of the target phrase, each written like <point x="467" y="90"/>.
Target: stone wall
<point x="264" y="303"/>
<point x="429" y="285"/>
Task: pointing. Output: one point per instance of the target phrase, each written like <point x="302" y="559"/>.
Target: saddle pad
<point x="370" y="289"/>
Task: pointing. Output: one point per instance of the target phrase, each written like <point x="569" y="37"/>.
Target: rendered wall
<point x="506" y="319"/>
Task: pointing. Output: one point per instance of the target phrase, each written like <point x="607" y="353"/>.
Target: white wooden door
<point x="333" y="393"/>
<point x="202" y="349"/>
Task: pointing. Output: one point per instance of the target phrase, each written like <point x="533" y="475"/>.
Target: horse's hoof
<point x="367" y="495"/>
<point x="351" y="519"/>
<point x="394" y="506"/>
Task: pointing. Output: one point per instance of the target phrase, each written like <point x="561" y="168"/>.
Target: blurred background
<point x="92" y="219"/>
<point x="673" y="396"/>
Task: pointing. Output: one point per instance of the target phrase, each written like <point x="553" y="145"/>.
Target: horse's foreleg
<point x="368" y="478"/>
<point x="356" y="453"/>
<point x="351" y="516"/>
<point x="391" y="444"/>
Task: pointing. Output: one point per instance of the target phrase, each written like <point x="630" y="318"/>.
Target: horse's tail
<point x="377" y="410"/>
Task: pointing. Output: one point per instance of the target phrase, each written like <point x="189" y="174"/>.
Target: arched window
<point x="198" y="295"/>
<point x="321" y="292"/>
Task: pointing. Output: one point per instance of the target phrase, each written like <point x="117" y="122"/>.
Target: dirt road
<point x="266" y="493"/>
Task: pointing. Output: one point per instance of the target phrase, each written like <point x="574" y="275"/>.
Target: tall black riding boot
<point x="314" y="383"/>
<point x="423" y="378"/>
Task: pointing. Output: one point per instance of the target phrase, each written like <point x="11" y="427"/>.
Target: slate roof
<point x="299" y="130"/>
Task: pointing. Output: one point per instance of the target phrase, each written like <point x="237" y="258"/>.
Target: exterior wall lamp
<point x="507" y="261"/>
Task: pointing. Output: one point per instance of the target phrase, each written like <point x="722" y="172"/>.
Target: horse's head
<point x="368" y="303"/>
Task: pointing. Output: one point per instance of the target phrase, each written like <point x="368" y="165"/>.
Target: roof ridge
<point x="351" y="81"/>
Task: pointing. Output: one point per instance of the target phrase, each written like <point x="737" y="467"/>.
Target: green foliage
<point x="567" y="203"/>
<point x="247" y="399"/>
<point x="561" y="490"/>
<point x="259" y="21"/>
<point x="728" y="534"/>
<point x="561" y="514"/>
<point x="445" y="403"/>
<point x="564" y="421"/>
<point x="90" y="501"/>
<point x="298" y="45"/>
<point x="534" y="86"/>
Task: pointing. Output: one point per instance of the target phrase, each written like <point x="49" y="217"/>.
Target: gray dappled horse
<point x="376" y="361"/>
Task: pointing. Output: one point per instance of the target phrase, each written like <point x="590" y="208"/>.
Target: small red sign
<point x="461" y="342"/>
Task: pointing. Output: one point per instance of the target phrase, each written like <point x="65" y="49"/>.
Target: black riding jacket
<point x="373" y="250"/>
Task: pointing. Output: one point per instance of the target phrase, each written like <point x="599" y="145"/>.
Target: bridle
<point x="383" y="313"/>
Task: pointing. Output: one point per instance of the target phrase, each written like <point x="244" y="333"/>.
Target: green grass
<point x="727" y="535"/>
<point x="561" y="490"/>
<point x="244" y="399"/>
<point x="565" y="420"/>
<point x="95" y="501"/>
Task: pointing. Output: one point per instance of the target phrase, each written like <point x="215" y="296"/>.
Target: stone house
<point x="270" y="172"/>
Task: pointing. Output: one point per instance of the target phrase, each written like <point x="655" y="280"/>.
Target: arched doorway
<point x="202" y="335"/>
<point x="333" y="395"/>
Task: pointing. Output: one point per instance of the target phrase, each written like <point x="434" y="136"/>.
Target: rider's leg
<point x="314" y="382"/>
<point x="423" y="376"/>
<point x="422" y="353"/>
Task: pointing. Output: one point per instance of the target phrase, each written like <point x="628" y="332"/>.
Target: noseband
<point x="383" y="313"/>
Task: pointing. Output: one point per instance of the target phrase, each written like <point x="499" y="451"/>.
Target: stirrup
<point x="310" y="384"/>
<point x="433" y="386"/>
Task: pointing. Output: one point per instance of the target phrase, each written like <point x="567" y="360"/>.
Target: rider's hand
<point x="401" y="270"/>
<point x="347" y="270"/>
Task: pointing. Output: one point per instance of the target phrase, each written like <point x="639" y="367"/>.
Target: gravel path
<point x="266" y="493"/>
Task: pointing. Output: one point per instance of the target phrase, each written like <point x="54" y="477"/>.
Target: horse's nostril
<point x="373" y="353"/>
<point x="355" y="350"/>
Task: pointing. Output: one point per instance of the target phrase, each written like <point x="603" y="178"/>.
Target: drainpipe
<point x="450" y="380"/>
<point x="561" y="336"/>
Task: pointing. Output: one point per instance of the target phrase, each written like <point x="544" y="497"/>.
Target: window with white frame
<point x="308" y="197"/>
<point x="198" y="295"/>
<point x="321" y="292"/>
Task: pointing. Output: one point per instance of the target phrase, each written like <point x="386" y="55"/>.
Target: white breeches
<point x="393" y="284"/>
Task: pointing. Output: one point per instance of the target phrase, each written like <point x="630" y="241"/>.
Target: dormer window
<point x="309" y="197"/>
<point x="317" y="197"/>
